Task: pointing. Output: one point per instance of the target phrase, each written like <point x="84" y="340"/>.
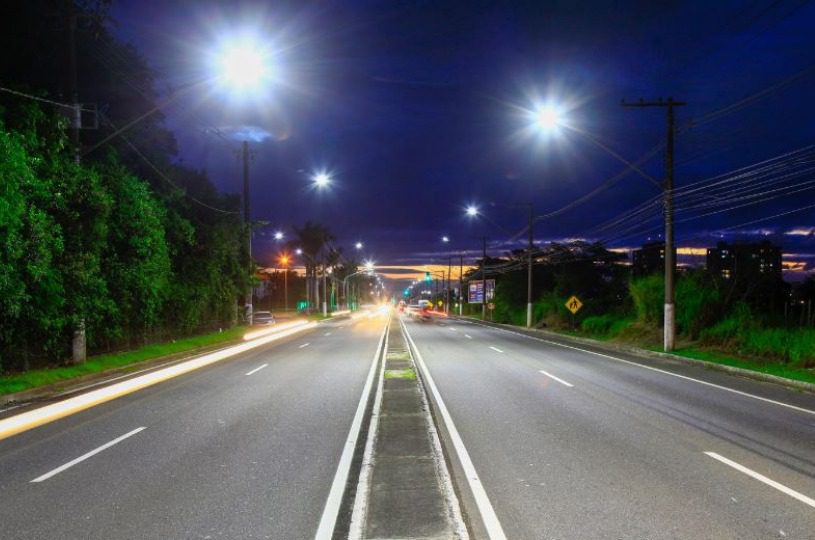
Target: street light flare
<point x="321" y="179"/>
<point x="548" y="118"/>
<point x="472" y="210"/>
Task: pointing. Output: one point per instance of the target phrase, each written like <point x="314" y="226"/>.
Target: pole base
<point x="669" y="329"/>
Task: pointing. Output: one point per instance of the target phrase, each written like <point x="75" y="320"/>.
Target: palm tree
<point x="312" y="238"/>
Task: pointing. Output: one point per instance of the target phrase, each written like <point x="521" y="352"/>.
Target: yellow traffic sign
<point x="574" y="304"/>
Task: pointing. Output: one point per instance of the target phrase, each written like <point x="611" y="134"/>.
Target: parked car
<point x="263" y="318"/>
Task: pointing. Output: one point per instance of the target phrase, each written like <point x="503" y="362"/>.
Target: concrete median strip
<point x="43" y="415"/>
<point x="404" y="489"/>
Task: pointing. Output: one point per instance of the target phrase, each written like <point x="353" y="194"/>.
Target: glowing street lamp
<point x="321" y="179"/>
<point x="472" y="210"/>
<point x="548" y="118"/>
<point x="358" y="245"/>
<point x="284" y="262"/>
<point x="278" y="235"/>
<point x="445" y="239"/>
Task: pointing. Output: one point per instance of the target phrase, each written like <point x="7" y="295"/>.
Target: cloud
<point x="246" y="133"/>
<point x="801" y="231"/>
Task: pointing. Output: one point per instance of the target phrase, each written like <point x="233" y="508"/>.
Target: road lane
<point x="621" y="454"/>
<point x="223" y="455"/>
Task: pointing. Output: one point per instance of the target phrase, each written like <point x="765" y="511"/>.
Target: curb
<point x="65" y="387"/>
<point x="646" y="354"/>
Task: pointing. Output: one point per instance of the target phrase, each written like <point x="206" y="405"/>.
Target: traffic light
<point x="407" y="292"/>
<point x="427" y="277"/>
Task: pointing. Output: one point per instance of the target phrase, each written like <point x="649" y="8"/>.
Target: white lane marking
<point x="496" y="349"/>
<point x="761" y="478"/>
<point x="468" y="336"/>
<point x="304" y="345"/>
<point x="30" y="419"/>
<point x="327" y="334"/>
<point x="83" y="457"/>
<point x="561" y="381"/>
<point x="482" y="501"/>
<point x="720" y="387"/>
<point x="325" y="531"/>
<point x="257" y="369"/>
<point x="453" y="329"/>
<point x="360" y="507"/>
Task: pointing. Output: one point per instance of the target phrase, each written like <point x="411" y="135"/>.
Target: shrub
<point x="648" y="295"/>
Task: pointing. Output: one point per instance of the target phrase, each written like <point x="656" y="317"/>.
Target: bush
<point x="697" y="304"/>
<point x="648" y="294"/>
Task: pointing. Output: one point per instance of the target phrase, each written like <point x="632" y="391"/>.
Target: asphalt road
<point x="598" y="448"/>
<point x="223" y="453"/>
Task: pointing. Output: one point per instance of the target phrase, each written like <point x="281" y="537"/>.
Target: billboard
<point x="475" y="291"/>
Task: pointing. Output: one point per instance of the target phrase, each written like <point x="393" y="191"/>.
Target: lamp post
<point x="284" y="260"/>
<point x="244" y="67"/>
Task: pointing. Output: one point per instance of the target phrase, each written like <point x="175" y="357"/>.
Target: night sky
<point x="420" y="108"/>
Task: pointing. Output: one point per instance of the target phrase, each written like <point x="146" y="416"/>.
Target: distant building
<point x="650" y="259"/>
<point x="745" y="261"/>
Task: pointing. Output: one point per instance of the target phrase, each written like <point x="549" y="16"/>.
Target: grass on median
<point x="41" y="377"/>
<point x="400" y="373"/>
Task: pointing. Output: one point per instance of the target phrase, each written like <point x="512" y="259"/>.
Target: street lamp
<point x="284" y="261"/>
<point x="445" y="239"/>
<point x="321" y="179"/>
<point x="358" y="245"/>
<point x="548" y="117"/>
<point x="243" y="66"/>
<point x="472" y="210"/>
<point x="278" y="235"/>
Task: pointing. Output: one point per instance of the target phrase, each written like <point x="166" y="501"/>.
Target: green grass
<point x="41" y="377"/>
<point x="408" y="373"/>
<point x="770" y="368"/>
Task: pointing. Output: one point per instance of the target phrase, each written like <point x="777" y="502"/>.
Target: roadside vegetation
<point x="132" y="360"/>
<point x="737" y="323"/>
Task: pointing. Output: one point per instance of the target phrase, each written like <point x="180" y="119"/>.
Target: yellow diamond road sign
<point x="574" y="304"/>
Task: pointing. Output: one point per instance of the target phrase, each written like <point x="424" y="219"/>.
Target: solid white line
<point x="257" y="369"/>
<point x="468" y="336"/>
<point x="496" y="349"/>
<point x="304" y="345"/>
<point x="83" y="457"/>
<point x="720" y="387"/>
<point x="761" y="478"/>
<point x="482" y="501"/>
<point x="360" y="507"/>
<point x="325" y="531"/>
<point x="561" y="381"/>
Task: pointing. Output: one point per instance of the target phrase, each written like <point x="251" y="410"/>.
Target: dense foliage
<point x="95" y="244"/>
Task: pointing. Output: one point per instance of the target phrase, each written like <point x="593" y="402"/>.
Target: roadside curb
<point x="646" y="354"/>
<point x="68" y="386"/>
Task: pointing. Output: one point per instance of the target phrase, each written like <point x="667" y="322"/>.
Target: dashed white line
<point x="304" y="345"/>
<point x="327" y="334"/>
<point x="664" y="372"/>
<point x="257" y="369"/>
<point x="496" y="349"/>
<point x="761" y="478"/>
<point x="558" y="379"/>
<point x="83" y="457"/>
<point x="468" y="336"/>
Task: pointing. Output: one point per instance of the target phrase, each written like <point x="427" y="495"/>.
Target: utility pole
<point x="325" y="292"/>
<point x="447" y="290"/>
<point x="529" y="268"/>
<point x="460" y="285"/>
<point x="484" y="279"/>
<point x="79" y="351"/>
<point x="286" y="289"/>
<point x="669" y="331"/>
<point x="247" y="221"/>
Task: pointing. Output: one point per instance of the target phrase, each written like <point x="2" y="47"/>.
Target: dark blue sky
<point x="416" y="109"/>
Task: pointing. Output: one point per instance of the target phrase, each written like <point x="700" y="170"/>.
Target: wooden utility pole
<point x="669" y="332"/>
<point x="529" y="268"/>
<point x="484" y="279"/>
<point x="247" y="221"/>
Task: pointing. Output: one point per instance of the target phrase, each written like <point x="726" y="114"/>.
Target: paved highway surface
<point x="246" y="448"/>
<point x="574" y="445"/>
